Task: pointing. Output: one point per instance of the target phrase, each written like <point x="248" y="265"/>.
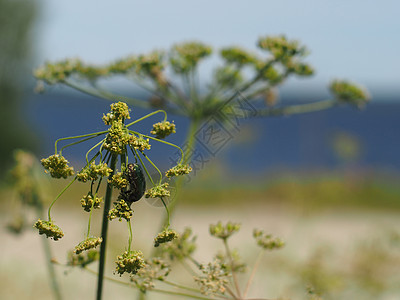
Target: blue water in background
<point x="301" y="142"/>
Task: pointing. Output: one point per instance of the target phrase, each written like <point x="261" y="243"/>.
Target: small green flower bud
<point x="236" y="55"/>
<point x="129" y="262"/>
<point x="119" y="112"/>
<point x="186" y="56"/>
<point x="163" y="129"/>
<point x="347" y="92"/>
<point x="121" y="211"/>
<point x="178" y="170"/>
<point x="49" y="229"/>
<point x="165" y="237"/>
<point x="158" y="191"/>
<point x="93" y="172"/>
<point x="57" y="165"/>
<point x="87" y="244"/>
<point x="266" y="241"/>
<point x="88" y="201"/>
<point x="139" y="143"/>
<point x="118" y="180"/>
<point x="224" y="232"/>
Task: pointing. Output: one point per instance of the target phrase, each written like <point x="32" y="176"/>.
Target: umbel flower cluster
<point x="118" y="156"/>
<point x="256" y="75"/>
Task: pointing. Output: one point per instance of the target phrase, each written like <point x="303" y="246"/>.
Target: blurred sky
<point x="357" y="40"/>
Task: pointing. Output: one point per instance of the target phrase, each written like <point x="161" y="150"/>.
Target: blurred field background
<point x="327" y="183"/>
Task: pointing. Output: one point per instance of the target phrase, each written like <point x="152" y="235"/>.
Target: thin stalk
<point x="77" y="137"/>
<point x="47" y="252"/>
<point x="58" y="196"/>
<point x="147" y="116"/>
<point x="235" y="280"/>
<point x="166" y="208"/>
<point x="130" y="235"/>
<point x="180" y="286"/>
<point x="154" y="166"/>
<point x="253" y="272"/>
<point x="104" y="229"/>
<point x="78" y="142"/>
<point x="298" y="109"/>
<point x="152" y="290"/>
<point x="161" y="141"/>
<point x="106" y="95"/>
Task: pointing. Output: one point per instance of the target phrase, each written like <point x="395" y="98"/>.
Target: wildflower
<point x="348" y="92"/>
<point x="234" y="263"/>
<point x="165" y="237"/>
<point x="93" y="172"/>
<point x="224" y="232"/>
<point x="236" y="55"/>
<point x="158" y="191"/>
<point x="281" y="48"/>
<point x="87" y="244"/>
<point x="214" y="279"/>
<point x="57" y="165"/>
<point x="119" y="112"/>
<point x="129" y="262"/>
<point x="121" y="210"/>
<point x="154" y="269"/>
<point x="88" y="201"/>
<point x="185" y="57"/>
<point x="138" y="142"/>
<point x="49" y="229"/>
<point x="179" y="169"/>
<point x="117" y="138"/>
<point x="266" y="241"/>
<point x="163" y="129"/>
<point x="118" y="180"/>
<point x="183" y="246"/>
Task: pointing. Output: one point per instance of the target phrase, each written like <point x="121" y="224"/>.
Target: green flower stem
<point x="104" y="229"/>
<point x="58" y="196"/>
<point x="130" y="235"/>
<point x="154" y="166"/>
<point x="161" y="141"/>
<point x="47" y="251"/>
<point x="179" y="286"/>
<point x="253" y="272"/>
<point x="166" y="208"/>
<point x="78" y="142"/>
<point x="106" y="95"/>
<point x="149" y="115"/>
<point x="144" y="166"/>
<point x="152" y="290"/>
<point x="91" y="135"/>
<point x="235" y="280"/>
<point x="298" y="109"/>
<point x="91" y="149"/>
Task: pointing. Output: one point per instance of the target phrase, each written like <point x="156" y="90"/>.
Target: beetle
<point x="136" y="184"/>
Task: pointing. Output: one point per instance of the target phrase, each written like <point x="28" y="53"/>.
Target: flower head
<point x="165" y="237"/>
<point x="87" y="244"/>
<point x="266" y="241"/>
<point x="214" y="279"/>
<point x="224" y="232"/>
<point x="158" y="191"/>
<point x="121" y="210"/>
<point x="93" y="172"/>
<point x="163" y="129"/>
<point x="119" y="112"/>
<point x="129" y="262"/>
<point x="49" y="229"/>
<point x="88" y="201"/>
<point x="179" y="169"/>
<point x="57" y="165"/>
